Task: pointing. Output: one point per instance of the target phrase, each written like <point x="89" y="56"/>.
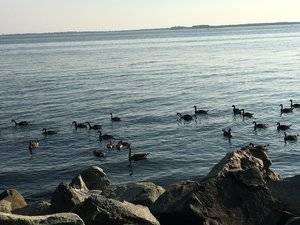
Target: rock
<point x="99" y="210"/>
<point x="5" y="206"/>
<point x="55" y="219"/>
<point x="287" y="191"/>
<point x="94" y="179"/>
<point x="233" y="193"/>
<point x="65" y="198"/>
<point x="14" y="197"/>
<point x="143" y="193"/>
<point x="78" y="183"/>
<point x="36" y="209"/>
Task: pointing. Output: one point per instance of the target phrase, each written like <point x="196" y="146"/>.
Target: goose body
<point x="294" y="105"/>
<point x="33" y="144"/>
<point x="236" y="110"/>
<point x="290" y="137"/>
<point x="200" y="111"/>
<point x="79" y="125"/>
<point x="114" y="119"/>
<point x="98" y="153"/>
<point x="227" y="133"/>
<point x="21" y="123"/>
<point x="49" y="132"/>
<point x="94" y="127"/>
<point x="122" y="144"/>
<point x="185" y="117"/>
<point x="259" y="125"/>
<point x="137" y="156"/>
<point x="285" y="110"/>
<point x="105" y="136"/>
<point x="283" y="127"/>
<point x="246" y="114"/>
<point x="110" y="145"/>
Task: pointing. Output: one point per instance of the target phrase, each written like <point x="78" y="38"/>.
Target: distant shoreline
<point x="170" y="28"/>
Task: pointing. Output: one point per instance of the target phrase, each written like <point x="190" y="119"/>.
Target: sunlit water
<point x="145" y="78"/>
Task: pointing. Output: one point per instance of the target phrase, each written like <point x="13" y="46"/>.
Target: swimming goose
<point x="94" y="127"/>
<point x="122" y="144"/>
<point x="290" y="137"/>
<point x="105" y="136"/>
<point x="22" y="123"/>
<point x="185" y="117"/>
<point x="99" y="154"/>
<point x="227" y="133"/>
<point x="246" y="114"/>
<point x="110" y="145"/>
<point x="259" y="125"/>
<point x="283" y="127"/>
<point x="114" y="119"/>
<point x="200" y="111"/>
<point x="285" y="110"/>
<point x="49" y="132"/>
<point x="32" y="145"/>
<point x="236" y="110"/>
<point x="294" y="105"/>
<point x="137" y="156"/>
<point x="79" y="125"/>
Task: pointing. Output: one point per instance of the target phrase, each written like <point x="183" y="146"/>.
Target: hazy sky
<point x="23" y="16"/>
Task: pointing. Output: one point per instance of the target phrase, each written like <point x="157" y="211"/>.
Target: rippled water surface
<point x="145" y="78"/>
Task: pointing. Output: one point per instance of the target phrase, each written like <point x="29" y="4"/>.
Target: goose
<point x="236" y="110"/>
<point x="246" y="114"/>
<point x="294" y="105"/>
<point x="114" y="119"/>
<point x="290" y="137"/>
<point x="283" y="127"/>
<point x="200" y="111"/>
<point x="227" y="133"/>
<point x="21" y="123"/>
<point x="285" y="110"/>
<point x="110" y="145"/>
<point x="94" y="127"/>
<point x="32" y="145"/>
<point x="79" y="125"/>
<point x="99" y="154"/>
<point x="105" y="136"/>
<point x="259" y="125"/>
<point x="122" y="144"/>
<point x="185" y="117"/>
<point x="49" y="132"/>
<point x="137" y="156"/>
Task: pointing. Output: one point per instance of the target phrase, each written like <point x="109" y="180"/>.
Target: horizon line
<point x="161" y="28"/>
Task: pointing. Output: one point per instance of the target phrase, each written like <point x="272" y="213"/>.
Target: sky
<point x="36" y="16"/>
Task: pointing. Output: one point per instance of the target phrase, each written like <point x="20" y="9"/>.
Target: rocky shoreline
<point x="240" y="190"/>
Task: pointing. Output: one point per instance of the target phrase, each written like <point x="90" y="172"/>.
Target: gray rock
<point x="287" y="191"/>
<point x="94" y="179"/>
<point x="78" y="183"/>
<point x="55" y="219"/>
<point x="14" y="197"/>
<point x="65" y="198"/>
<point x="36" y="209"/>
<point x="99" y="210"/>
<point x="233" y="193"/>
<point x="143" y="193"/>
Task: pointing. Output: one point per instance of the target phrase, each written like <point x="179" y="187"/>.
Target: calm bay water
<point x="144" y="77"/>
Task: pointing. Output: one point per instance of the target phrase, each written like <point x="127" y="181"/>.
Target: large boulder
<point x="55" y="219"/>
<point x="92" y="178"/>
<point x="143" y="193"/>
<point x="287" y="191"/>
<point x="99" y="210"/>
<point x="233" y="193"/>
<point x="35" y="209"/>
<point x="66" y="198"/>
<point x="15" y="199"/>
<point x="5" y="206"/>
